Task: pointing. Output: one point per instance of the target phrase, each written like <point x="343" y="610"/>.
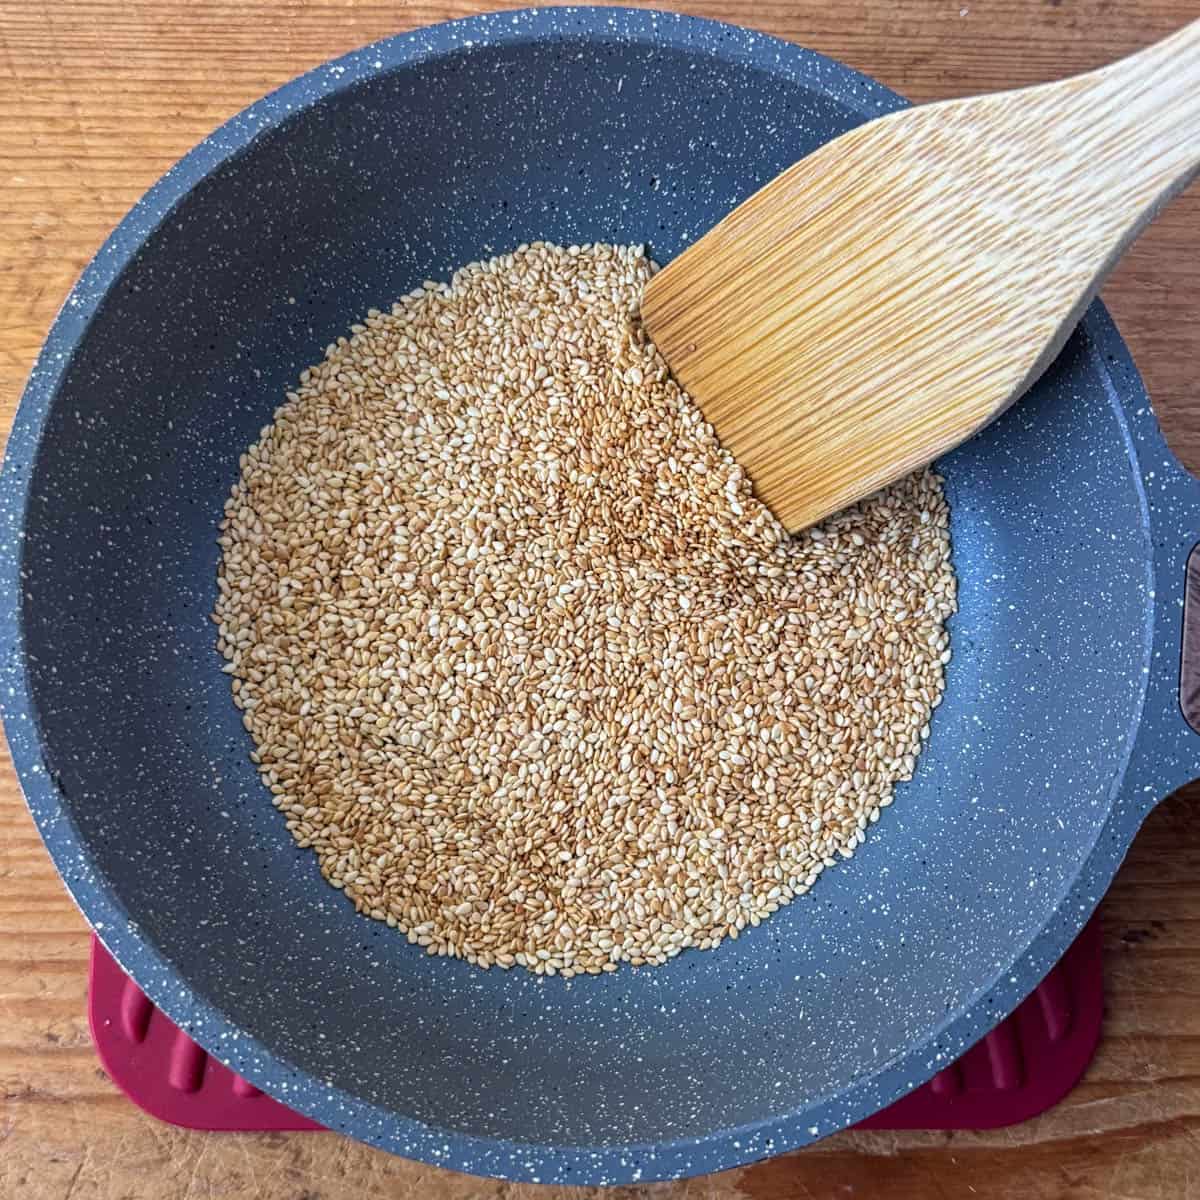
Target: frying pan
<point x="1060" y="729"/>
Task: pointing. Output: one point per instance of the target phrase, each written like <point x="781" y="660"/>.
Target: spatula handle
<point x="1143" y="144"/>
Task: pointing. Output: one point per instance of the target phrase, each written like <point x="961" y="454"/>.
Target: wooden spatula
<point x="894" y="291"/>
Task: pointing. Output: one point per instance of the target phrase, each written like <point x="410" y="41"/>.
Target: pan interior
<point x="346" y="205"/>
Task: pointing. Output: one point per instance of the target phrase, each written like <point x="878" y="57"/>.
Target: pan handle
<point x="1189" y="666"/>
<point x="1166" y="750"/>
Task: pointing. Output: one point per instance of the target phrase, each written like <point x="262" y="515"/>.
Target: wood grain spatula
<point x="897" y="289"/>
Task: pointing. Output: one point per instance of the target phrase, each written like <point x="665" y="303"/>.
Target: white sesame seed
<point x="534" y="690"/>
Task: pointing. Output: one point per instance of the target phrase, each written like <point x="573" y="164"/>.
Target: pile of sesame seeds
<point x="523" y="659"/>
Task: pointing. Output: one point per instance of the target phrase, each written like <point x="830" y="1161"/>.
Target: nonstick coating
<point x="342" y="191"/>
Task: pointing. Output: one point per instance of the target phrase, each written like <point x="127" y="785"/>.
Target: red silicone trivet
<point x="1023" y="1067"/>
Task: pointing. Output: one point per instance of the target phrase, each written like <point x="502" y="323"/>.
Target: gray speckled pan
<point x="1060" y="728"/>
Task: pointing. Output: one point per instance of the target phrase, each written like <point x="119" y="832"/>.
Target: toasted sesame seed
<point x="523" y="659"/>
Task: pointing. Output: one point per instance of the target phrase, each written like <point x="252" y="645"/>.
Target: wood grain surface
<point x="809" y="329"/>
<point x="96" y="100"/>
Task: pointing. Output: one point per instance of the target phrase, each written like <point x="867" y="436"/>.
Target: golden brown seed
<point x="523" y="659"/>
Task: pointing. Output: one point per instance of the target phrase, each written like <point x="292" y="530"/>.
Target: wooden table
<point x="96" y="100"/>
